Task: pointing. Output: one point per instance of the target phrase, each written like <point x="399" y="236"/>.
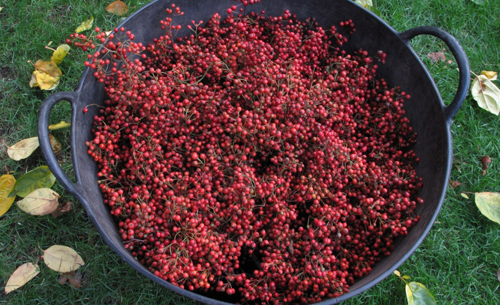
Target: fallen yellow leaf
<point x="40" y="202"/>
<point x="489" y="205"/>
<point x="48" y="67"/>
<point x="117" y="7"/>
<point x="486" y="94"/>
<point x="62" y="124"/>
<point x="33" y="82"/>
<point x="23" y="149"/>
<point x="491" y="75"/>
<point x="62" y="259"/>
<point x="60" y="53"/>
<point x="45" y="81"/>
<point x="87" y="24"/>
<point x="46" y="75"/>
<point x="6" y="184"/>
<point x="409" y="295"/>
<point x="21" y="276"/>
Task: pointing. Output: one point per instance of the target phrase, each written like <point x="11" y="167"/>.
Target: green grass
<point x="458" y="261"/>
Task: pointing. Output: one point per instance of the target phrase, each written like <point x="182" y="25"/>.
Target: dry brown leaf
<point x="68" y="206"/>
<point x="55" y="144"/>
<point x="42" y="201"/>
<point x="76" y="280"/>
<point x="63" y="208"/>
<point x="23" y="149"/>
<point x="62" y="259"/>
<point x="63" y="278"/>
<point x="117" y="7"/>
<point x="454" y="184"/>
<point x="21" y="276"/>
<point x="485" y="162"/>
<point x="498" y="274"/>
<point x="436" y="56"/>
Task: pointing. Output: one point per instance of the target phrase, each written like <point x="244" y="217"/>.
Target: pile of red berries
<point x="253" y="157"/>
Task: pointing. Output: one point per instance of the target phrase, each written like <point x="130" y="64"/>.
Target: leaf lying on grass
<point x="436" y="56"/>
<point x="416" y="293"/>
<point x="486" y="93"/>
<point x="21" y="276"/>
<point x="62" y="124"/>
<point x="43" y="80"/>
<point x="62" y="208"/>
<point x="46" y="75"/>
<point x="86" y="25"/>
<point x="62" y="259"/>
<point x="60" y="53"/>
<point x="485" y="162"/>
<point x="117" y="7"/>
<point x="40" y="177"/>
<point x="453" y="184"/>
<point x="75" y="278"/>
<point x="23" y="149"/>
<point x="478" y="2"/>
<point x="489" y="205"/>
<point x="6" y="184"/>
<point x="491" y="75"/>
<point x="40" y="202"/>
<point x="55" y="144"/>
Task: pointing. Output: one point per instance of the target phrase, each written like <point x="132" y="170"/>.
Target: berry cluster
<point x="253" y="157"/>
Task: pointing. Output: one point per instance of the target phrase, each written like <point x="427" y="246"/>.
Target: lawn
<point x="458" y="261"/>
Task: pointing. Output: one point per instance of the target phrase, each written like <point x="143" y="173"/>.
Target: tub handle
<point x="460" y="56"/>
<point x="43" y="137"/>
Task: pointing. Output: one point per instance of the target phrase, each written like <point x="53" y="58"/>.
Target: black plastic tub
<point x="429" y="116"/>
